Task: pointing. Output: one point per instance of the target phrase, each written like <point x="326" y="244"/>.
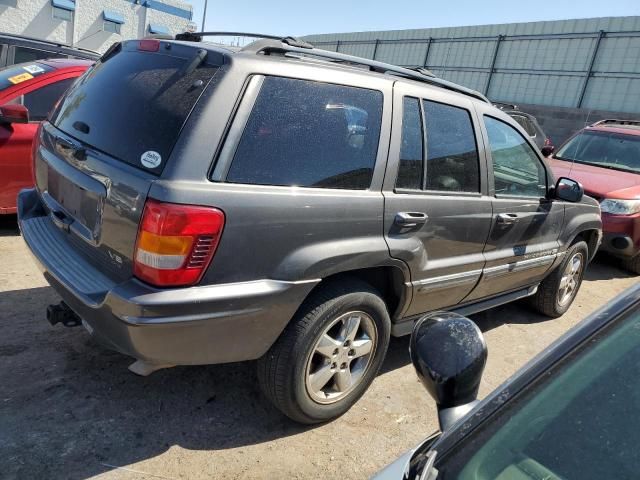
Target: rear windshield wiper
<point x="195" y="62"/>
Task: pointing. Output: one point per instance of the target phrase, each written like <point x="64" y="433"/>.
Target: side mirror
<point x="449" y="353"/>
<point x="568" y="190"/>
<point x="14" y="113"/>
<point x="547" y="150"/>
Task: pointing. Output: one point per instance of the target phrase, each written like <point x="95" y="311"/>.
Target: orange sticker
<point x="23" y="77"/>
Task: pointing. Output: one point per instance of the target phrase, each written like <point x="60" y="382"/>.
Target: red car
<point x="28" y="91"/>
<point x="605" y="158"/>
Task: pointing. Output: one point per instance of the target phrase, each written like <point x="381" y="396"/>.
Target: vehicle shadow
<point x="9" y="226"/>
<point x="69" y="408"/>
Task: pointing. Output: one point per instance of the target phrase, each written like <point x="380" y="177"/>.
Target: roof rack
<point x="271" y="44"/>
<point x="197" y="37"/>
<point x="613" y="121"/>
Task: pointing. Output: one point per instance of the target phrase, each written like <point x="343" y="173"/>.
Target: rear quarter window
<point x="309" y="134"/>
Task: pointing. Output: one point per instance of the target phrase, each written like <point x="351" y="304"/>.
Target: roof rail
<point x="613" y="121"/>
<point x="268" y="47"/>
<point x="272" y="44"/>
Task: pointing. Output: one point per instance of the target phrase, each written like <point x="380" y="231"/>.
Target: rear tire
<point x="329" y="353"/>
<point x="557" y="292"/>
<point x="632" y="264"/>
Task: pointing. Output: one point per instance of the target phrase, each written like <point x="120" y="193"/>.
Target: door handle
<point x="410" y="219"/>
<point x="507" y="218"/>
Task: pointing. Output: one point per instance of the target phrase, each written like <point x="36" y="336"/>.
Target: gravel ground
<point x="70" y="408"/>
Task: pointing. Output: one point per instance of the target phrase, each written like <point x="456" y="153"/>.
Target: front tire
<point x="557" y="292"/>
<point x="329" y="354"/>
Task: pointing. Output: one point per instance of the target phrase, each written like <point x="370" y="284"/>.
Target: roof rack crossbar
<point x="197" y="37"/>
<point x="380" y="67"/>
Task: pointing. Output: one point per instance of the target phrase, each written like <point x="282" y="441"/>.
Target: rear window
<point x="17" y="74"/>
<point x="133" y="105"/>
<point x="309" y="134"/>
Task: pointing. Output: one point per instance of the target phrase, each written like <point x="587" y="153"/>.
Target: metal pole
<point x="375" y="49"/>
<point x="592" y="62"/>
<point x="493" y="64"/>
<point x="204" y="15"/>
<point x="426" y="55"/>
<point x="338" y="46"/>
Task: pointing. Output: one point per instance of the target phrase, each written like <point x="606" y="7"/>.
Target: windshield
<point x="603" y="149"/>
<point x="15" y="74"/>
<point x="581" y="421"/>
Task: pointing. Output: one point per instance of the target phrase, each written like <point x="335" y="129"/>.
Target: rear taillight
<point x="176" y="243"/>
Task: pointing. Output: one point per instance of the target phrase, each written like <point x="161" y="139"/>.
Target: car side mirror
<point x="547" y="150"/>
<point x="14" y="113"/>
<point x="449" y="353"/>
<point x="568" y="190"/>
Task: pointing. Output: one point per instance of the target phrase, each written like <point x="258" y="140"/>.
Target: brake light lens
<point x="149" y="45"/>
<point x="176" y="243"/>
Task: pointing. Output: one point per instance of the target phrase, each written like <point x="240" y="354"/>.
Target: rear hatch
<point x="110" y="137"/>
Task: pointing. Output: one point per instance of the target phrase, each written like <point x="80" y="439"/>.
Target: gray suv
<point x="292" y="206"/>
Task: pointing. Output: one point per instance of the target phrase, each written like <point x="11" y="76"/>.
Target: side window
<point x="411" y="164"/>
<point x="25" y="54"/>
<point x="453" y="163"/>
<point x="309" y="134"/>
<point x="516" y="167"/>
<point x="41" y="101"/>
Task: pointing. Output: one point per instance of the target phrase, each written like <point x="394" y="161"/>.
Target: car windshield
<point x="580" y="421"/>
<point x="604" y="149"/>
<point x="15" y="74"/>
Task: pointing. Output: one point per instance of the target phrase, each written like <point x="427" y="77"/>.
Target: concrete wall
<point x="34" y="18"/>
<point x="543" y="63"/>
<point x="560" y="123"/>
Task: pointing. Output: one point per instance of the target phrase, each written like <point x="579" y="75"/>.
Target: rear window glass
<point x="133" y="105"/>
<point x="309" y="134"/>
<point x="17" y="74"/>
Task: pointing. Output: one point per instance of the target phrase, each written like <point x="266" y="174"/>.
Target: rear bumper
<point x="621" y="234"/>
<point x="183" y="326"/>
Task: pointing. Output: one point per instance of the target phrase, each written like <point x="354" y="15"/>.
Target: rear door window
<point x="133" y="105"/>
<point x="309" y="134"/>
<point x="453" y="163"/>
<point x="411" y="163"/>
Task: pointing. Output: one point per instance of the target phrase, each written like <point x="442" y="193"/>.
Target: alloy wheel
<point x="570" y="279"/>
<point x="341" y="357"/>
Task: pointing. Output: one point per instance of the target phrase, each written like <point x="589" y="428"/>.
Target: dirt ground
<point x="70" y="408"/>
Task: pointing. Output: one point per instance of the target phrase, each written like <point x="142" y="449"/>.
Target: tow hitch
<point x="61" y="313"/>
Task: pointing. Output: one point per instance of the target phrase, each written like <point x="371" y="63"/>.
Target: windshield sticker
<point x="151" y="159"/>
<point x="33" y="69"/>
<point x="23" y="77"/>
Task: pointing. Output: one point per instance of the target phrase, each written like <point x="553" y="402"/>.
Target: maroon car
<point x="605" y="158"/>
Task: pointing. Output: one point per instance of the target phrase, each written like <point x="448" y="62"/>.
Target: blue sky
<point x="328" y="16"/>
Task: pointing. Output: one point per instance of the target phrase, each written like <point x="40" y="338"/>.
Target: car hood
<point x="598" y="181"/>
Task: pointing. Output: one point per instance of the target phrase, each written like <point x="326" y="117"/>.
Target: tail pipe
<point x="61" y="313"/>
